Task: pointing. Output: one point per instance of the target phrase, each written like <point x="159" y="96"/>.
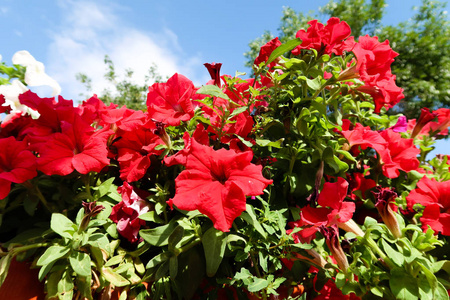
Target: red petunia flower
<point x="216" y="182"/>
<point x="363" y="137"/>
<point x="17" y="164"/>
<point x="332" y="210"/>
<point x="126" y="213"/>
<point x="134" y="149"/>
<point x="171" y="102"/>
<point x="373" y="65"/>
<point x="328" y="38"/>
<point x="77" y="147"/>
<point x="266" y="51"/>
<point x="435" y="196"/>
<point x="400" y="154"/>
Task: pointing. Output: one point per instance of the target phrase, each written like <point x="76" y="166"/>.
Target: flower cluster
<point x="294" y="182"/>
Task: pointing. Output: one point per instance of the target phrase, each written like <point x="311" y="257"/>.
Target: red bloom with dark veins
<point x="17" y="164"/>
<point x="400" y="154"/>
<point x="217" y="182"/>
<point x="77" y="147"/>
<point x="327" y="38"/>
<point x="266" y="51"/>
<point x="171" y="102"/>
<point x="126" y="213"/>
<point x="134" y="149"/>
<point x="359" y="183"/>
<point x="435" y="196"/>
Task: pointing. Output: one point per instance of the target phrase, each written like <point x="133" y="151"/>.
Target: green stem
<point x="372" y="244"/>
<point x="255" y="265"/>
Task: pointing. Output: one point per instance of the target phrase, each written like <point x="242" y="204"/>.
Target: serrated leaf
<point x="214" y="243"/>
<point x="283" y="48"/>
<point x="52" y="254"/>
<point x="212" y="90"/>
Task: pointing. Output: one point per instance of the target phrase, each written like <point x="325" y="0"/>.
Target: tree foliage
<point x="423" y="66"/>
<point x="125" y="90"/>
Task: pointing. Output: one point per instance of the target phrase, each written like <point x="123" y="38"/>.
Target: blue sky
<point x="178" y="36"/>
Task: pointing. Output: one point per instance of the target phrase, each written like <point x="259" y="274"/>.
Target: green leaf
<point x="396" y="257"/>
<point x="314" y="84"/>
<point x="173" y="267"/>
<point x="80" y="263"/>
<point x="62" y="225"/>
<point x="115" y="260"/>
<point x="403" y="285"/>
<point x="174" y="238"/>
<point x="269" y="143"/>
<point x="65" y="286"/>
<point x="250" y="217"/>
<point x="257" y="285"/>
<point x="52" y="254"/>
<point x="212" y="90"/>
<point x="214" y="242"/>
<point x="114" y="278"/>
<point x="237" y="111"/>
<point x="158" y="236"/>
<point x="158" y="259"/>
<point x="5" y="262"/>
<point x="283" y="48"/>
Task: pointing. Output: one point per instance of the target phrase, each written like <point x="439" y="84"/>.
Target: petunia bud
<point x="331" y="235"/>
<point x="384" y="203"/>
<point x="214" y="71"/>
<point x="90" y="211"/>
<point x="425" y="117"/>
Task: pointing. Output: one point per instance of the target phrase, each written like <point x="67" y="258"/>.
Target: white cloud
<point x="91" y="30"/>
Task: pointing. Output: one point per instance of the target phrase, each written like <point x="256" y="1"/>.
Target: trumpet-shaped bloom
<point x="217" y="182"/>
<point x="35" y="71"/>
<point x="126" y="213"/>
<point x="171" y="102"/>
<point x="328" y="38"/>
<point x="435" y="196"/>
<point x="17" y="164"/>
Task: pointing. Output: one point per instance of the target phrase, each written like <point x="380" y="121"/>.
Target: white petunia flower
<point x="35" y="73"/>
<point x="11" y="93"/>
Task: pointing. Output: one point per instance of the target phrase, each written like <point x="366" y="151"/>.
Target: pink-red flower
<point x="216" y="182"/>
<point x="328" y="38"/>
<point x="332" y="210"/>
<point x="435" y="196"/>
<point x="77" y="147"/>
<point x="134" y="149"/>
<point x="126" y="213"/>
<point x="171" y="102"/>
<point x="400" y="154"/>
<point x="17" y="164"/>
<point x="266" y="51"/>
<point x="373" y="65"/>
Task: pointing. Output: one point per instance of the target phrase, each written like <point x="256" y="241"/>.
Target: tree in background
<point x="423" y="66"/>
<point x="125" y="91"/>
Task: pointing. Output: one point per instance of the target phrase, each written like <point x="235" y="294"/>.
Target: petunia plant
<point x="293" y="184"/>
